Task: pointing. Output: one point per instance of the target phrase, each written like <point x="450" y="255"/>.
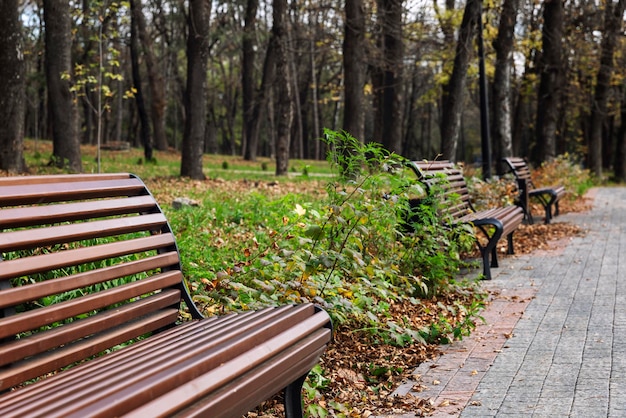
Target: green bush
<point x="350" y="252"/>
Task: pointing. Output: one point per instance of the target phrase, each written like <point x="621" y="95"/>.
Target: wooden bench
<point x="547" y="196"/>
<point x="88" y="264"/>
<point x="457" y="207"/>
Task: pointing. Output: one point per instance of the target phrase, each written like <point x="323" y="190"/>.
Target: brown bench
<point x="456" y="205"/>
<point x="88" y="264"/>
<point x="547" y="196"/>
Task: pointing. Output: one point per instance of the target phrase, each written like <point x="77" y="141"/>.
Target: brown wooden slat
<point x="239" y="395"/>
<point x="63" y="178"/>
<point x="56" y="337"/>
<point x="34" y="319"/>
<point x="48" y="214"/>
<point x="222" y="340"/>
<point x="26" y="293"/>
<point x="46" y="262"/>
<point x="32" y="368"/>
<point x="32" y="238"/>
<point x="143" y="354"/>
<point x="37" y="193"/>
<point x="237" y="356"/>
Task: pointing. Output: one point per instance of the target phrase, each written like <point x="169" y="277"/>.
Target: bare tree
<point x="195" y="95"/>
<point x="66" y="144"/>
<point x="12" y="94"/>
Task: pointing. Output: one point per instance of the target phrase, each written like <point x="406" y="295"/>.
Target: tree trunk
<point x="620" y="151"/>
<point x="613" y="19"/>
<point x="12" y="93"/>
<point x="454" y="91"/>
<point x="195" y="95"/>
<point x="502" y="97"/>
<point x="66" y="144"/>
<point x="393" y="52"/>
<point x="155" y="80"/>
<point x="550" y="70"/>
<point x="247" y="79"/>
<point x="285" y="87"/>
<point x="353" y="61"/>
<point x="144" y="131"/>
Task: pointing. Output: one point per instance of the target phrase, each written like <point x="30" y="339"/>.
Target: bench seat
<point x="89" y="263"/>
<point x="456" y="207"/>
<point x="548" y="197"/>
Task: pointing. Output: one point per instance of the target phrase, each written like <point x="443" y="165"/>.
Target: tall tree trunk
<point x="12" y="92"/>
<point x="247" y="80"/>
<point x="353" y="62"/>
<point x="613" y="19"/>
<point x="454" y="91"/>
<point x="146" y="137"/>
<point x="620" y="150"/>
<point x="551" y="72"/>
<point x="155" y="80"/>
<point x="195" y="95"/>
<point x="65" y="141"/>
<point x="285" y="87"/>
<point x="502" y="97"/>
<point x="393" y="52"/>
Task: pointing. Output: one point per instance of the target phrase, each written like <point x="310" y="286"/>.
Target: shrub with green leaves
<point x="351" y="252"/>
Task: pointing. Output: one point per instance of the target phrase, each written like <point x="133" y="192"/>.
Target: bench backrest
<point x="87" y="262"/>
<point x="520" y="169"/>
<point x="449" y="179"/>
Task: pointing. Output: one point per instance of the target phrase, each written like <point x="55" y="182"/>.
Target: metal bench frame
<point x="493" y="223"/>
<point x="548" y="197"/>
<point x="89" y="263"/>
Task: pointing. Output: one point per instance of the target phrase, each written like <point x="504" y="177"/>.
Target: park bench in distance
<point x="547" y="196"/>
<point x="493" y="223"/>
<point x="89" y="262"/>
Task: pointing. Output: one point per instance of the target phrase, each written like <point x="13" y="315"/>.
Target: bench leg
<point x="509" y="240"/>
<point x="293" y="398"/>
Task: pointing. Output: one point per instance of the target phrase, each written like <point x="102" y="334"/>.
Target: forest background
<point x="260" y="80"/>
<point x="256" y="78"/>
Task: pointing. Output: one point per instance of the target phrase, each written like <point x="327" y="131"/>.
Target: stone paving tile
<point x="554" y="341"/>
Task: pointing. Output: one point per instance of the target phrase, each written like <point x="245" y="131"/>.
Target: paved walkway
<point x="554" y="341"/>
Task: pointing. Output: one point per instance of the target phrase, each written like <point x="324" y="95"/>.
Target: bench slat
<point x="46" y="262"/>
<point x="236" y="397"/>
<point x="34" y="319"/>
<point x="205" y="348"/>
<point x="55" y="360"/>
<point x="54" y="192"/>
<point x="31" y="238"/>
<point x="38" y="215"/>
<point x="27" y="293"/>
<point x="47" y="340"/>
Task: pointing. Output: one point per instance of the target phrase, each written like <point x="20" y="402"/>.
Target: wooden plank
<point x="32" y="368"/>
<point x="47" y="262"/>
<point x="38" y="193"/>
<point x="34" y="319"/>
<point x="49" y="214"/>
<point x="27" y="293"/>
<point x="60" y="234"/>
<point x="46" y="340"/>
